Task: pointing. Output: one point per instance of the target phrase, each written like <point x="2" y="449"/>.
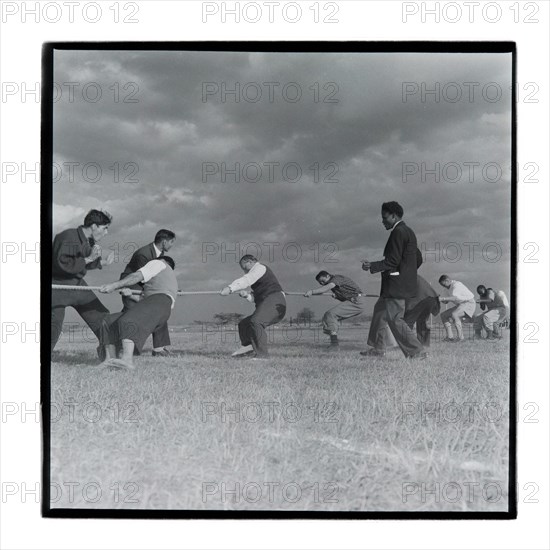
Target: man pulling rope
<point x="74" y="252"/>
<point x="133" y="326"/>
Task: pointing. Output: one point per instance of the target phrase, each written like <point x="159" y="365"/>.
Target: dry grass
<point x="373" y="435"/>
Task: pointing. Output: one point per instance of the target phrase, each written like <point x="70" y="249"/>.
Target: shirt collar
<point x="157" y="251"/>
<point x="396" y="224"/>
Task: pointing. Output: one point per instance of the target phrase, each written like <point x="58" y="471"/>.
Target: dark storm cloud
<point x="363" y="140"/>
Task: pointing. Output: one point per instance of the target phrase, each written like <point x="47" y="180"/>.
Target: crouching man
<point x="419" y="308"/>
<point x="496" y="308"/>
<point x="270" y="305"/>
<point x="350" y="296"/>
<point x="132" y="327"/>
<point x="464" y="307"/>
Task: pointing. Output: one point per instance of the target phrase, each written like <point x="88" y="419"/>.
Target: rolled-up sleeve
<point x="152" y="268"/>
<point x="249" y="278"/>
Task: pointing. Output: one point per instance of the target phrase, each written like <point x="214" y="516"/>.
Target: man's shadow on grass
<point x="189" y="354"/>
<point x="75" y="358"/>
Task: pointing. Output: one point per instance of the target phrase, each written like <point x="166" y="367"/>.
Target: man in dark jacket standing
<point x="399" y="278"/>
<point x="74" y="252"/>
<point x="164" y="240"/>
<point x="380" y="336"/>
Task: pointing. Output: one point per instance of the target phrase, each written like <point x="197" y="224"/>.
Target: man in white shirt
<point x="270" y="302"/>
<point x="464" y="306"/>
<point x="498" y="309"/>
<point x="132" y="327"/>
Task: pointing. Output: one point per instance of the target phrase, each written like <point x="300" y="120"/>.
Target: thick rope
<point x="96" y="288"/>
<point x="185" y="292"/>
<point x="199" y="292"/>
<point x="327" y="294"/>
<point x="78" y="287"/>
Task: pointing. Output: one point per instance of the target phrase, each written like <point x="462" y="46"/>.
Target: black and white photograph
<point x="279" y="279"/>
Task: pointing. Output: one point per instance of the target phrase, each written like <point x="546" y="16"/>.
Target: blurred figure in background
<point x="464" y="306"/>
<point x="419" y="308"/>
<point x="497" y="309"/>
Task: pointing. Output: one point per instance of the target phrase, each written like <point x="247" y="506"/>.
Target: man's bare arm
<point x="320" y="290"/>
<point x="132" y="279"/>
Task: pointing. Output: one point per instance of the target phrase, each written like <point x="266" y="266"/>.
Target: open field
<point x="305" y="430"/>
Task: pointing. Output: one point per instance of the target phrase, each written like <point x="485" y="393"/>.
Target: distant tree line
<point x="305" y="317"/>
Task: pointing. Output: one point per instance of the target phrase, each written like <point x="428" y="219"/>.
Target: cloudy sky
<point x="318" y="167"/>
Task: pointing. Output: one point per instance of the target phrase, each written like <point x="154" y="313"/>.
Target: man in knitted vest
<point x="270" y="304"/>
<point x="132" y="327"/>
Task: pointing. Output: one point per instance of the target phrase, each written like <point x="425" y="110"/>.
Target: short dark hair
<point x="444" y="278"/>
<point x="99" y="217"/>
<point x="393" y="207"/>
<point x="169" y="260"/>
<point x="481" y="290"/>
<point x="164" y="235"/>
<point x="322" y="274"/>
<point x="248" y="258"/>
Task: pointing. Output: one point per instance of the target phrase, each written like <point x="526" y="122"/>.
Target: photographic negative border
<point x="46" y="195"/>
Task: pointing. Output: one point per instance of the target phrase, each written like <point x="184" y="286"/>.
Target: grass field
<point x="305" y="430"/>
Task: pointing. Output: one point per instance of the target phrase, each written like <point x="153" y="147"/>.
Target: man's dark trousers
<point x="139" y="323"/>
<point x="86" y="304"/>
<point x="378" y="326"/>
<point x="402" y="332"/>
<point x="161" y="336"/>
<point x="420" y="314"/>
<point x="252" y="328"/>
